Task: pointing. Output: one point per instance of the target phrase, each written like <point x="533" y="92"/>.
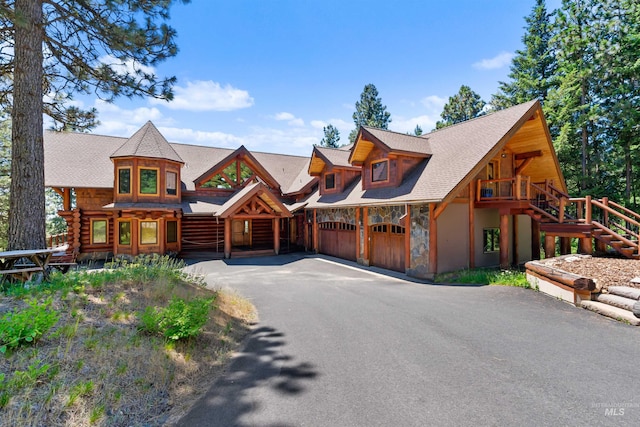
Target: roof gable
<point x="243" y="155"/>
<point x="331" y="157"/>
<point x="147" y="142"/>
<point x="264" y="200"/>
<point x="389" y="142"/>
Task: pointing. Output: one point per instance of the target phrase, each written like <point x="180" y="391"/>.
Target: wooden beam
<point x="227" y="237"/>
<point x="433" y="240"/>
<point x="504" y="241"/>
<point x="276" y="235"/>
<point x="315" y="231"/>
<point x="358" y="249"/>
<point x="565" y="245"/>
<point x="528" y="154"/>
<point x="549" y="246"/>
<point x="472" y="227"/>
<point x="365" y="224"/>
<point x="523" y="165"/>
<point x="441" y="207"/>
<point x="572" y="280"/>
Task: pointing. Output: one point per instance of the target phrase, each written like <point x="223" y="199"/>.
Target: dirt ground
<point x="605" y="271"/>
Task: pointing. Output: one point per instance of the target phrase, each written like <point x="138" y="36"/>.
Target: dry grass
<point x="95" y="367"/>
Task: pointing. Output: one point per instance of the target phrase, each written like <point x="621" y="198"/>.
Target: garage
<point x="387" y="248"/>
<point x="337" y="239"/>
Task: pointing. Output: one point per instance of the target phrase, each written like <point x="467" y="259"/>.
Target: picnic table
<point x="22" y="264"/>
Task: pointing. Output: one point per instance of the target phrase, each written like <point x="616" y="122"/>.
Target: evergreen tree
<point x="533" y="68"/>
<point x="103" y="47"/>
<point x="464" y="105"/>
<point x="417" y="131"/>
<point x="369" y="111"/>
<point x="331" y="137"/>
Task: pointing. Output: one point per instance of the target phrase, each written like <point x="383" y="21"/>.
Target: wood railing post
<point x="518" y="192"/>
<point x="528" y="190"/>
<point x="588" y="210"/>
<point x="563" y="202"/>
<point x="605" y="214"/>
<point x="479" y="192"/>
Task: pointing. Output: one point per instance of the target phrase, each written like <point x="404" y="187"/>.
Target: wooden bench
<point x="22" y="274"/>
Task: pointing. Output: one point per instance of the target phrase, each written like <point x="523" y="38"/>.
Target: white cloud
<point x="127" y="66"/>
<point x="207" y="95"/>
<point x="426" y="121"/>
<point x="192" y="136"/>
<point x="318" y="124"/>
<point x="500" y="60"/>
<point x="119" y="121"/>
<point x="434" y="103"/>
<point x="289" y="118"/>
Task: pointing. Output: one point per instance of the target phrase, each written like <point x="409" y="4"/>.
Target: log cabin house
<point x="475" y="194"/>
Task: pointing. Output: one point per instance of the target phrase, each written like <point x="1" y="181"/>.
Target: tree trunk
<point x="27" y="213"/>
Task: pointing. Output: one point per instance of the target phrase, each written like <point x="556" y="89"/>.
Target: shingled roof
<point x="147" y="142"/>
<point x="458" y="154"/>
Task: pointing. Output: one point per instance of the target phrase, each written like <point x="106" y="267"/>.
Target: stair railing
<point x="611" y="219"/>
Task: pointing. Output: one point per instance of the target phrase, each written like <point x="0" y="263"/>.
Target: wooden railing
<point x="57" y="240"/>
<point x="516" y="188"/>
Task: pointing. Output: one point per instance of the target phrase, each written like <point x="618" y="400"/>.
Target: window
<point x="492" y="170"/>
<point x="148" y="232"/>
<point x="148" y="181"/>
<point x="98" y="231"/>
<point x="172" y="231"/>
<point x="491" y="239"/>
<point x="379" y="171"/>
<point x="124" y="233"/>
<point x="172" y="179"/>
<point x="330" y="181"/>
<point x="124" y="181"/>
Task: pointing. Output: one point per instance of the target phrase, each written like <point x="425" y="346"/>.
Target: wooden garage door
<point x="337" y="239"/>
<point x="387" y="247"/>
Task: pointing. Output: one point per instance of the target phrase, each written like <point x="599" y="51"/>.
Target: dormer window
<point x="172" y="181"/>
<point x="330" y="181"/>
<point x="148" y="181"/>
<point x="380" y="171"/>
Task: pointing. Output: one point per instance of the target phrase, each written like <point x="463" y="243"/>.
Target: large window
<point x="148" y="233"/>
<point x="330" y="181"/>
<point x="148" y="181"/>
<point x="380" y="171"/>
<point x="124" y="181"/>
<point x="124" y="233"/>
<point x="172" y="181"/>
<point x="172" y="231"/>
<point x="98" y="231"/>
<point x="491" y="239"/>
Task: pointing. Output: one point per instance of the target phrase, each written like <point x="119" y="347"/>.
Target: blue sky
<point x="270" y="74"/>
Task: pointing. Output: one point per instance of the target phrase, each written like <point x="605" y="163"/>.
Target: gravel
<point x="605" y="271"/>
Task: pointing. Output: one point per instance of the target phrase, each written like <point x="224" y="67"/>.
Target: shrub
<point x="179" y="320"/>
<point x="26" y="326"/>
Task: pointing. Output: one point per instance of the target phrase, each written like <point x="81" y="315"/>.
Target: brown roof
<point x="458" y="154"/>
<point x="396" y="141"/>
<point x="334" y="156"/>
<point x="147" y="142"/>
<point x="82" y="160"/>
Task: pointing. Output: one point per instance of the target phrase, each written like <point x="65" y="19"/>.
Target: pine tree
<point x="464" y="105"/>
<point x="369" y="111"/>
<point x="417" y="131"/>
<point x="331" y="137"/>
<point x="533" y="68"/>
<point x="103" y="47"/>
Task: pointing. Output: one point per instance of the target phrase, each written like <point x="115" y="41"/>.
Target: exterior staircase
<point x="611" y="225"/>
<point x="619" y="303"/>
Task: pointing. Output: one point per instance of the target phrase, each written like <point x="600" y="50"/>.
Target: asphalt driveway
<point x="338" y="345"/>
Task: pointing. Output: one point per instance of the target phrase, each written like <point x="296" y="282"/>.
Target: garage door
<point x="337" y="239"/>
<point x="387" y="247"/>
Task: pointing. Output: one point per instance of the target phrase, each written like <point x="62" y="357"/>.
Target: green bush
<point x="26" y="326"/>
<point x="179" y="320"/>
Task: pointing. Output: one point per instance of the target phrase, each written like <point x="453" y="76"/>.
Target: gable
<point x="235" y="171"/>
<point x="253" y="200"/>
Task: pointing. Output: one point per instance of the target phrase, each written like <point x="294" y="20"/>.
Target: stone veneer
<point x="419" y="229"/>
<point x="386" y="215"/>
<point x="346" y="215"/>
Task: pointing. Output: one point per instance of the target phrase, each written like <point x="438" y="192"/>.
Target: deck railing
<point x="57" y="240"/>
<point x="613" y="219"/>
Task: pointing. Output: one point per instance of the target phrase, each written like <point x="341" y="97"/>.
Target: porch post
<point x="365" y="225"/>
<point x="504" y="240"/>
<point x="358" y="234"/>
<point x="315" y="230"/>
<point x="565" y="245"/>
<point x="535" y="239"/>
<point x="276" y="235"/>
<point x="549" y="246"/>
<point x="227" y="237"/>
<point x="514" y="242"/>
